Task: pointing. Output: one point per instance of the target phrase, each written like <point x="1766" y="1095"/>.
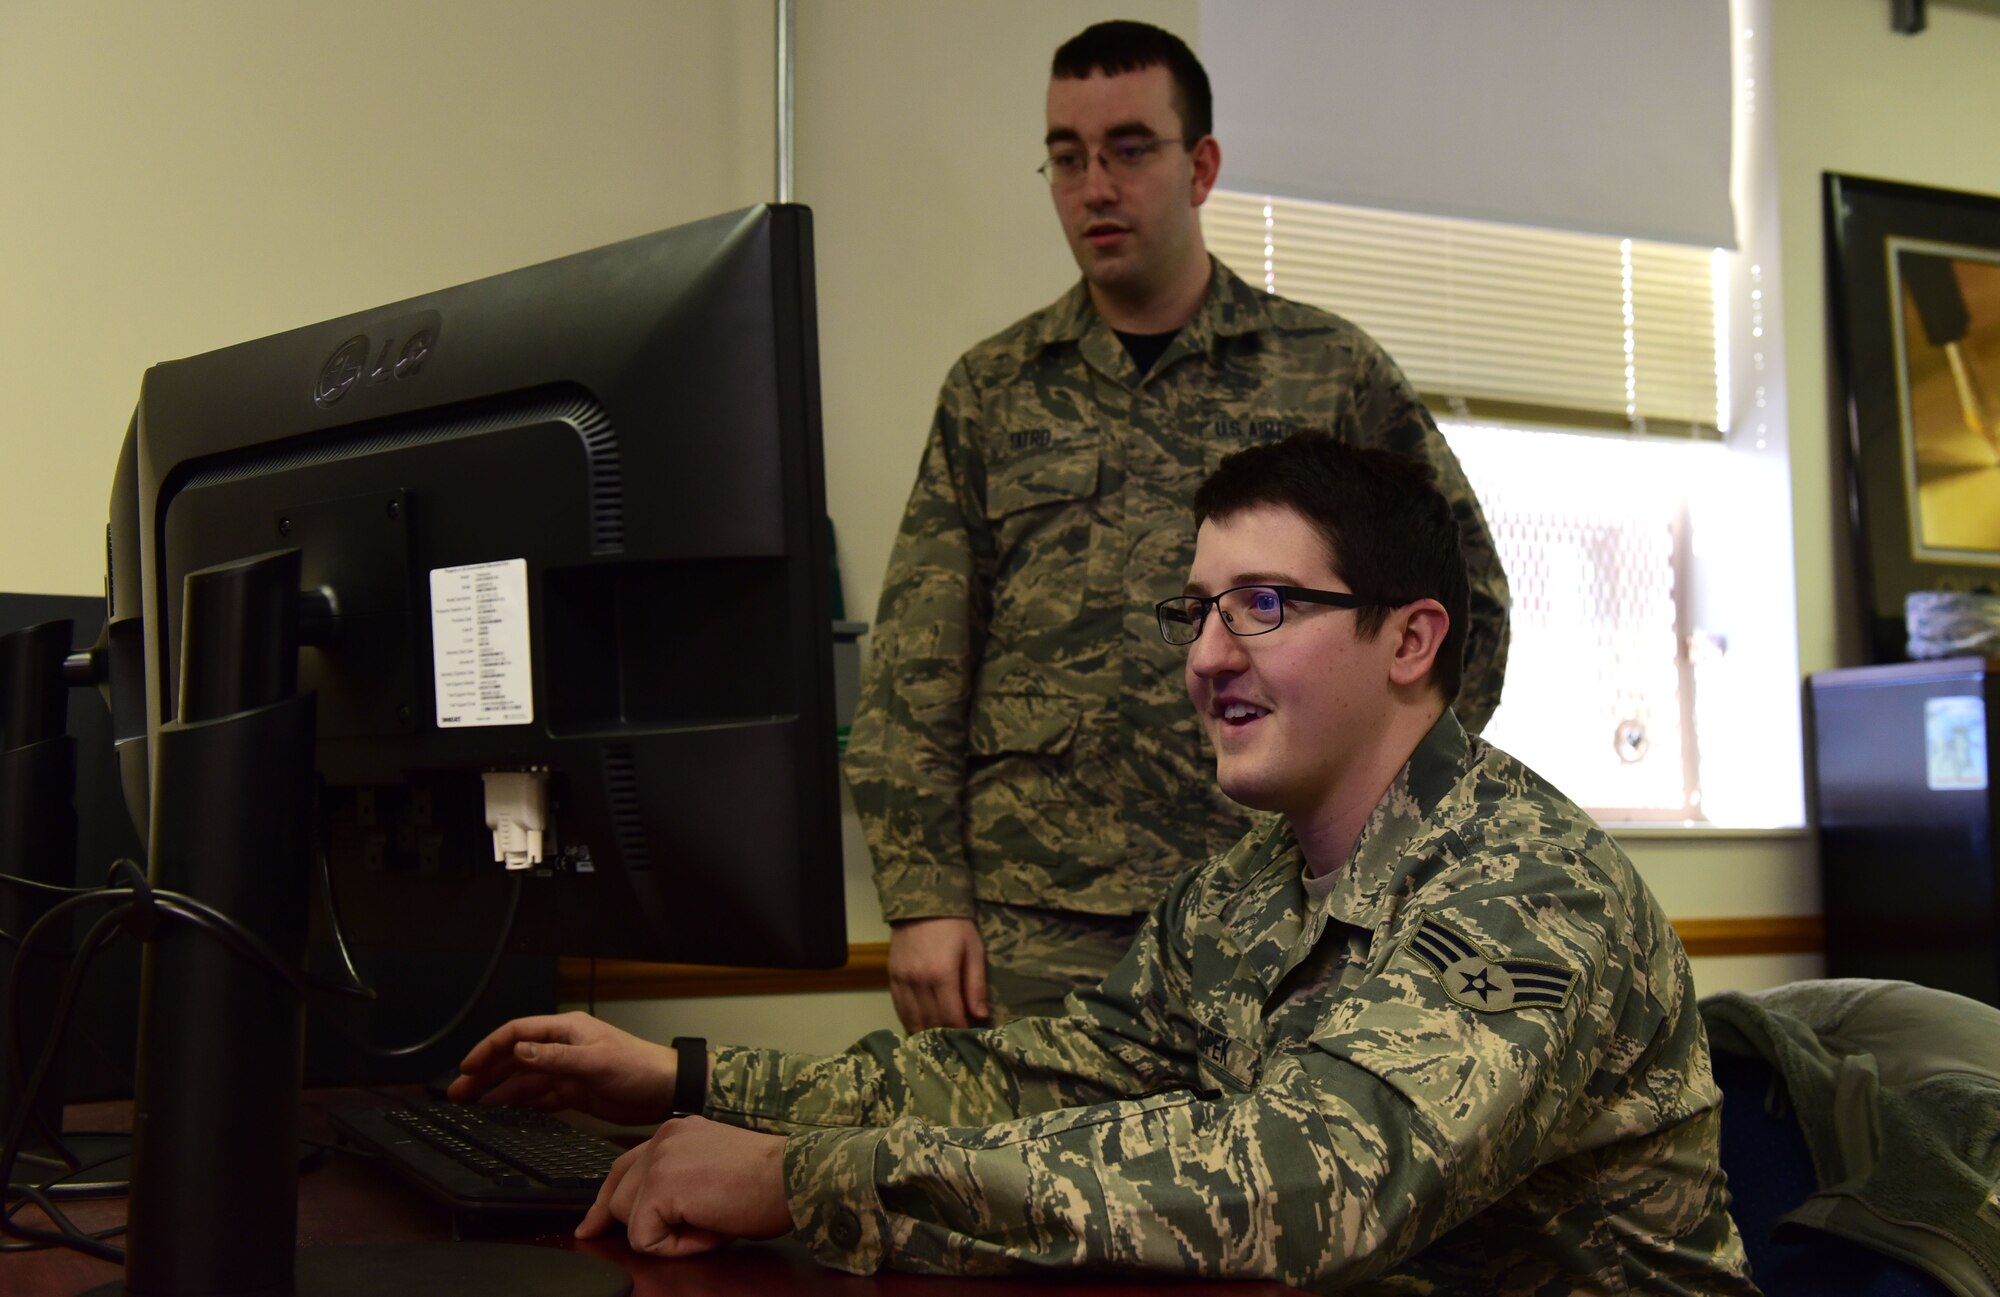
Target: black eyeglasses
<point x="1125" y="156"/>
<point x="1246" y="609"/>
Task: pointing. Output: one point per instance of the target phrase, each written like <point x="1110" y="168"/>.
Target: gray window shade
<point x="1498" y="321"/>
<point x="1609" y="116"/>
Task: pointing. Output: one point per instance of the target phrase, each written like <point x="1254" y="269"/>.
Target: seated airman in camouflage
<point x="1422" y="1030"/>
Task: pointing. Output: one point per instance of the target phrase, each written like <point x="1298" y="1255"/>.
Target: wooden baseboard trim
<point x="867" y="966"/>
<point x="866" y="969"/>
<point x="1778" y="934"/>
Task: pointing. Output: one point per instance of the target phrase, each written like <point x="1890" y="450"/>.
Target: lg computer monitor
<point x="565" y="520"/>
<point x="563" y="526"/>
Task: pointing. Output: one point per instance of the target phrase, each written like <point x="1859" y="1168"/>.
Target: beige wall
<point x="1852" y="96"/>
<point x="919" y="130"/>
<point x="180" y="177"/>
<point x="1840" y="92"/>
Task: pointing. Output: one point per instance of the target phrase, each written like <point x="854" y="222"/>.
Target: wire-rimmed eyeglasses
<point x="1246" y="609"/>
<point x="1125" y="156"/>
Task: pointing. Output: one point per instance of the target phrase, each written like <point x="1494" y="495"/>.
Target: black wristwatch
<point x="690" y="1076"/>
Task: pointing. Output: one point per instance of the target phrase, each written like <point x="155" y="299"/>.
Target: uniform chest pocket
<point x="1042" y="505"/>
<point x="1224" y="1062"/>
<point x="1039" y="476"/>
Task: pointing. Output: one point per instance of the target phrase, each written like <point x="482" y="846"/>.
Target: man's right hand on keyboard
<point x="570" y="1060"/>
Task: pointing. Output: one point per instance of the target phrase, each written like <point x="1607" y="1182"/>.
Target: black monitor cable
<point x="148" y="902"/>
<point x="136" y="912"/>
<point x="332" y="903"/>
<point x="359" y="988"/>
<point x="24" y="1237"/>
<point x="141" y="908"/>
<point x="15" y="1051"/>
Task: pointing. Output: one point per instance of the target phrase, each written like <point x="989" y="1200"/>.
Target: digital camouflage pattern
<point x="1035" y="957"/>
<point x="1299" y="1089"/>
<point x="1023" y="734"/>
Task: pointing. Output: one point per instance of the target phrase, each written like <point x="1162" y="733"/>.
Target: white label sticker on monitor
<point x="479" y="644"/>
<point x="1955" y="742"/>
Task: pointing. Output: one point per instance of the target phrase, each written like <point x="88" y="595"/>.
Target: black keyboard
<point x="482" y="1160"/>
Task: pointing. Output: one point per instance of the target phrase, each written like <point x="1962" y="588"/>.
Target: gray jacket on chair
<point x="1897" y="1090"/>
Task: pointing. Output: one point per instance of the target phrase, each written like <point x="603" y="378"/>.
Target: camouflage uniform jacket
<point x="1475" y="1066"/>
<point x="1023" y="735"/>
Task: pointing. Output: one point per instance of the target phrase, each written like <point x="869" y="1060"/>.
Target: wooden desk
<point x="345" y="1200"/>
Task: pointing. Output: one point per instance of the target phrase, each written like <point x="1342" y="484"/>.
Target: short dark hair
<point x="1124" y="46"/>
<point x="1390" y="534"/>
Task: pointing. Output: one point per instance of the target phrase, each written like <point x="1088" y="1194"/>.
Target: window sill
<point x="1684" y="831"/>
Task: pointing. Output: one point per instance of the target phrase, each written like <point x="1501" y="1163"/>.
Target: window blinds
<point x="1496" y="321"/>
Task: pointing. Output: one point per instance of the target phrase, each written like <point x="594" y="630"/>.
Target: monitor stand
<point x="38" y="843"/>
<point x="221" y="1042"/>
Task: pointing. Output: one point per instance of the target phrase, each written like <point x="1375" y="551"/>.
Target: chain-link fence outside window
<point x="1593" y="534"/>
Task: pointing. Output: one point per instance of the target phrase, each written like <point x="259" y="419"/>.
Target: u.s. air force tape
<point x="1486" y="982"/>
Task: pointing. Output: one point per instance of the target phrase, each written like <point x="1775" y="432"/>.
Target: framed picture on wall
<point x="1914" y="282"/>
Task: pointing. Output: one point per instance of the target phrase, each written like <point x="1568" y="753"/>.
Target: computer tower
<point x="1900" y="762"/>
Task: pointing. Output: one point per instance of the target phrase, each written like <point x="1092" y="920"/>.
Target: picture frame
<point x="1914" y="292"/>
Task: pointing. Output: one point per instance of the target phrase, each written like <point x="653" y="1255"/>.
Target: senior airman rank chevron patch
<point x="1488" y="983"/>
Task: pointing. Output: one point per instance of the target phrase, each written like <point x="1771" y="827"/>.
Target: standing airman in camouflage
<point x="1422" y="1030"/>
<point x="1025" y="770"/>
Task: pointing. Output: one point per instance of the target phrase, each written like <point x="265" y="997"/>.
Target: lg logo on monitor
<point x="406" y="345"/>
